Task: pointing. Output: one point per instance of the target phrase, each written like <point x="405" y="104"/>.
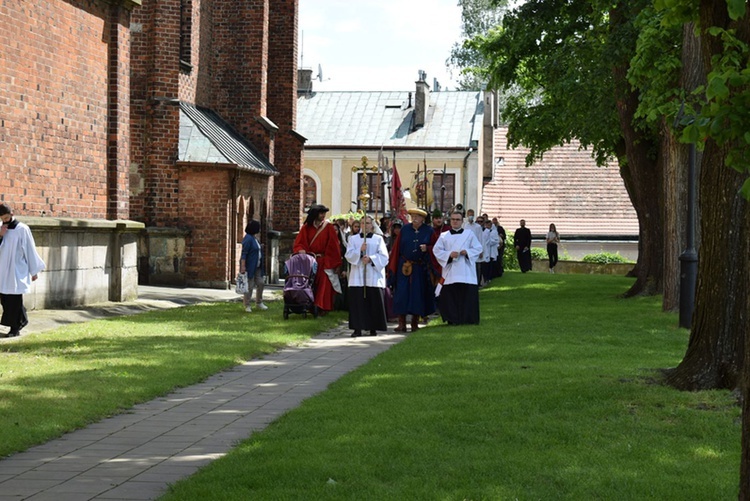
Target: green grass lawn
<point x="64" y="379"/>
<point x="555" y="395"/>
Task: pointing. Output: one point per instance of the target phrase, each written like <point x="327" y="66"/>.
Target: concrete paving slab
<point x="138" y="454"/>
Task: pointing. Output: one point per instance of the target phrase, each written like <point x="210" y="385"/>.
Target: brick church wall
<point x="64" y="134"/>
<point x="282" y="109"/>
<point x="118" y="147"/>
<point x="54" y="116"/>
<point x="240" y="68"/>
<point x="222" y="62"/>
<point x="155" y="118"/>
<point x="205" y="210"/>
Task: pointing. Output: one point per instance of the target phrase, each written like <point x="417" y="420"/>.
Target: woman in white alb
<point x="553" y="240"/>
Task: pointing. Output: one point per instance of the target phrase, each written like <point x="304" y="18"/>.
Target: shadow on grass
<point x="545" y="399"/>
<point x="59" y="380"/>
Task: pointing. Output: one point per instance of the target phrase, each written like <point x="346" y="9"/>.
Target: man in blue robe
<point x="410" y="263"/>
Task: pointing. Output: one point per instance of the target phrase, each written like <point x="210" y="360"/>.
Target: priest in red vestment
<point x="319" y="238"/>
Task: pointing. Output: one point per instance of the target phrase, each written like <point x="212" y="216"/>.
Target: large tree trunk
<point x="641" y="170"/>
<point x="716" y="347"/>
<point x="744" y="309"/>
<point x="715" y="353"/>
<point x="642" y="176"/>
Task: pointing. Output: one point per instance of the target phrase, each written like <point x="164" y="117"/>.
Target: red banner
<point x="398" y="206"/>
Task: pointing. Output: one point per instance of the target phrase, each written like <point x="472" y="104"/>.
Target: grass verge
<point x="555" y="395"/>
<point x="58" y="381"/>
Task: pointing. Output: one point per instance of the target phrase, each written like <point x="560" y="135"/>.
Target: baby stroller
<point x="298" y="285"/>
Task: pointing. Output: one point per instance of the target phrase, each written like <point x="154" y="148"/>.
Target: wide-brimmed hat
<point x="417" y="211"/>
<point x="318" y="208"/>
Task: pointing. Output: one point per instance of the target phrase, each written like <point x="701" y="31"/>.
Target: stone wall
<point x="88" y="261"/>
<point x="584" y="268"/>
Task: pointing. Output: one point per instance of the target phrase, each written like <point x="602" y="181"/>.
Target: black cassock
<point x="367" y="309"/>
<point x="459" y="303"/>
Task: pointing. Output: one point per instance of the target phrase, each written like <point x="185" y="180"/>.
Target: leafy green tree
<point x="715" y="91"/>
<point x="567" y="61"/>
<point x="614" y="74"/>
<point x="717" y="119"/>
<point x="578" y="64"/>
<point x="478" y="17"/>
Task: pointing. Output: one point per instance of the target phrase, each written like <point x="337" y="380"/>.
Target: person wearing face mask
<point x="476" y="228"/>
<point x="490" y="241"/>
<point x="20" y="265"/>
<point x="368" y="257"/>
<point x="469" y="224"/>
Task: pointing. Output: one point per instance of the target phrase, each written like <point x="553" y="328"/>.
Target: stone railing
<point x="88" y="261"/>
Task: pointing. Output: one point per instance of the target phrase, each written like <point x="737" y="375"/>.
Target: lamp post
<point x="689" y="258"/>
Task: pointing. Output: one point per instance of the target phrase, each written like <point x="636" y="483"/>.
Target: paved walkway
<point x="137" y="454"/>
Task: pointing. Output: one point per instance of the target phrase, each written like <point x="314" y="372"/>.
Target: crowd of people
<point x="377" y="270"/>
<point x="404" y="271"/>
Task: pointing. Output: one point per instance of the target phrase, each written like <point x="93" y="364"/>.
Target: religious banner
<point x="398" y="205"/>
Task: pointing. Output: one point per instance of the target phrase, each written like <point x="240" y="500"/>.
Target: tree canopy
<point x="478" y="17"/>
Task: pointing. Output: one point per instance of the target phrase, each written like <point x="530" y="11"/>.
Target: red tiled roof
<point x="565" y="188"/>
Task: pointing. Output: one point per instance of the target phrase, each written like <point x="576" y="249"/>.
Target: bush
<point x="354" y="215"/>
<point x="510" y="260"/>
<point x="605" y="258"/>
<point x="539" y="254"/>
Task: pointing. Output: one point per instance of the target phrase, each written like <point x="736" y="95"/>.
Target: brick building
<point x="64" y="136"/>
<point x="64" y="125"/>
<point x="213" y="108"/>
<point x="589" y="205"/>
<point x="176" y="116"/>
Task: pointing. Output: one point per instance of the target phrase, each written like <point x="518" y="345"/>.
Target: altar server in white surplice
<point x="368" y="256"/>
<point x="457" y="251"/>
<point x="19" y="266"/>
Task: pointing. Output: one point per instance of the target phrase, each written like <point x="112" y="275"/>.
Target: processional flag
<point x="398" y="206"/>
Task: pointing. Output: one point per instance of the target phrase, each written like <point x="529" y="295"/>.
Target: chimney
<point x="421" y="101"/>
<point x="304" y="81"/>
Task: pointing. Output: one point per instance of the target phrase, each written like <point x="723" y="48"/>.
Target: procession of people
<point x="396" y="270"/>
<point x="388" y="270"/>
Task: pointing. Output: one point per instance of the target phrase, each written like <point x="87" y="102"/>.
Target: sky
<point x="365" y="45"/>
